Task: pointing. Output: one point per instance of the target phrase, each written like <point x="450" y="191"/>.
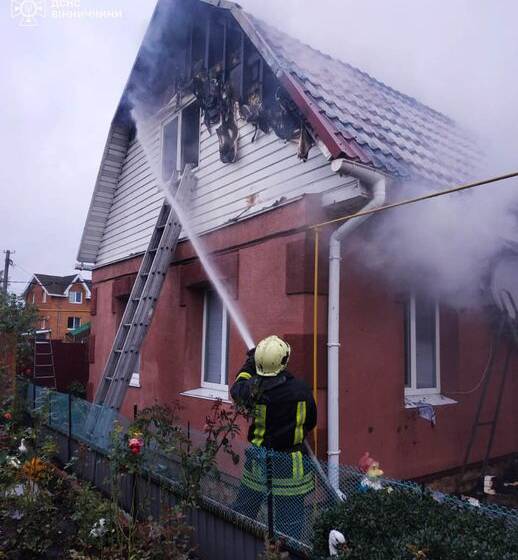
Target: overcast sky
<point x="61" y="80"/>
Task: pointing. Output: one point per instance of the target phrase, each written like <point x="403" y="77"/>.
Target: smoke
<point x="446" y="246"/>
<point x="443" y="247"/>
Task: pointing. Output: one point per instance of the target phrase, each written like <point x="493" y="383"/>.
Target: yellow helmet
<point x="271" y="356"/>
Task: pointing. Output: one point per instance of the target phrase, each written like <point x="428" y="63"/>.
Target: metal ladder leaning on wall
<point x="142" y="301"/>
<point x="43" y="365"/>
<point x="507" y="326"/>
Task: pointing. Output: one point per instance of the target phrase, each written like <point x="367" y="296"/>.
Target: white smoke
<point x="443" y="247"/>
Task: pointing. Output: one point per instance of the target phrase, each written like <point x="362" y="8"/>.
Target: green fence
<point x="274" y="491"/>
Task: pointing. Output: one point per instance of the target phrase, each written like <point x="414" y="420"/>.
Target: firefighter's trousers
<point x="292" y="479"/>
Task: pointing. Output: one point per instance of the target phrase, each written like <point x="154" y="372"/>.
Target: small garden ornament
<point x="371" y="468"/>
<point x="336" y="542"/>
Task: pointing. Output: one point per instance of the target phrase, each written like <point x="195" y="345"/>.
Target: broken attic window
<point x="233" y="67"/>
<point x="191" y="134"/>
<point x="216" y="44"/>
<point x="199" y="31"/>
<point x="252" y="77"/>
<point x="170" y="149"/>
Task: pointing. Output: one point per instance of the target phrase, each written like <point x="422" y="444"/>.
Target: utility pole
<point x="7" y="264"/>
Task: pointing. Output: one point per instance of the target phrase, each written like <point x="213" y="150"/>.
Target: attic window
<point x="170" y="148"/>
<point x="253" y="69"/>
<point x="181" y="140"/>
<point x="75" y="297"/>
<point x="234" y="57"/>
<point x="199" y="32"/>
<point x="191" y="134"/>
<point x="216" y="44"/>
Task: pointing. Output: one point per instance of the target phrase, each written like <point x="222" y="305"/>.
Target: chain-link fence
<point x="280" y="493"/>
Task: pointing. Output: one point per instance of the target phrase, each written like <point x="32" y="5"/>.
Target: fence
<point x="278" y="493"/>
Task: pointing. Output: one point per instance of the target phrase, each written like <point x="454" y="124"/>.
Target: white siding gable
<point x="267" y="169"/>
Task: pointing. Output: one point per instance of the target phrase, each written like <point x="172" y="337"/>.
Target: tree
<point x="17" y="322"/>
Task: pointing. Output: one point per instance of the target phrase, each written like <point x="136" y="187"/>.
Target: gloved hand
<point x="250" y="359"/>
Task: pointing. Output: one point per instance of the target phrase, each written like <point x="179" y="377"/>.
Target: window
<point x="422" y="372"/>
<point x="214" y="348"/>
<point x="73" y="323"/>
<point x="75" y="297"/>
<point x="44" y="300"/>
<point x="181" y="140"/>
<point x="33" y="297"/>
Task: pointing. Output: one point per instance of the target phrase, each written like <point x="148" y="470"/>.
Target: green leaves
<point x="405" y="525"/>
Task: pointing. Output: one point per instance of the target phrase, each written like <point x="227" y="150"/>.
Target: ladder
<point x="43" y="370"/>
<point x="142" y="301"/>
<point x="507" y="326"/>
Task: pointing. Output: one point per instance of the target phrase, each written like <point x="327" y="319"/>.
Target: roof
<point x="351" y="114"/>
<point x="372" y="123"/>
<point x="55" y="285"/>
<point x="59" y="285"/>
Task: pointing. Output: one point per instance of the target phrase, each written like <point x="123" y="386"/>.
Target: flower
<point x="8" y="416"/>
<point x="34" y="469"/>
<point x="135" y="445"/>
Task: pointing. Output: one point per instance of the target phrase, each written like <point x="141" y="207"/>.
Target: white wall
<point x="268" y="168"/>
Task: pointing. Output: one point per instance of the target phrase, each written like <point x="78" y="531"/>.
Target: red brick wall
<point x="272" y="280"/>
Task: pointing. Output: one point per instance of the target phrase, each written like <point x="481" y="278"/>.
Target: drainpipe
<point x="376" y="181"/>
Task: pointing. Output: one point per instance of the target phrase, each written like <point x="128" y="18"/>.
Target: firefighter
<point x="283" y="411"/>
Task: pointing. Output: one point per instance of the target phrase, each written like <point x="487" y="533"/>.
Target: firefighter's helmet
<point x="271" y="356"/>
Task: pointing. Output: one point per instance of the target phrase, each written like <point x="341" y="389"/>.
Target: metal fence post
<point x="69" y="442"/>
<point x="269" y="494"/>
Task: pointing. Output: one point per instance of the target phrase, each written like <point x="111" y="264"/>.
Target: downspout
<point x="377" y="183"/>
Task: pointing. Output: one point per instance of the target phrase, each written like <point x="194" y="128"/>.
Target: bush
<point x="406" y="525"/>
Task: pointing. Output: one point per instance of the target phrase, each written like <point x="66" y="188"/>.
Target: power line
<point x="419" y="199"/>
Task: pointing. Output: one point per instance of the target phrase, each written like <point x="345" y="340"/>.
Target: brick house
<point x="63" y="302"/>
<point x="317" y="138"/>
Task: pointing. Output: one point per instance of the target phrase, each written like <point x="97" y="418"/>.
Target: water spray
<point x="228" y="303"/>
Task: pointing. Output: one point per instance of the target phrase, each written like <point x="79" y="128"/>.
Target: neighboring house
<point x="252" y="202"/>
<point x="63" y="302"/>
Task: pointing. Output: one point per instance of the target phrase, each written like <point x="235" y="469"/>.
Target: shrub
<point x="406" y="525"/>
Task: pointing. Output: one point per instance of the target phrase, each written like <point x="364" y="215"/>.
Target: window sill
<point x="208" y="394"/>
<point x="414" y="401"/>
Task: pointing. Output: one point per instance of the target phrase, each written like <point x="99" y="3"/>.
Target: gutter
<point x="377" y="183"/>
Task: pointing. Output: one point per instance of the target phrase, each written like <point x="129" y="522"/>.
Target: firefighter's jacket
<point x="283" y="412"/>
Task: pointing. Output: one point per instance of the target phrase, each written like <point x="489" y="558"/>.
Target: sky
<point x="62" y="78"/>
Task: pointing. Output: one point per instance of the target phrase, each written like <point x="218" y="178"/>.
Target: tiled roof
<point x="377" y="125"/>
<point x="55" y="284"/>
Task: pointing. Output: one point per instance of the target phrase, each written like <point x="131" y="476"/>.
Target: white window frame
<point x="74" y="327"/>
<point x="44" y="299"/>
<point x="74" y="294"/>
<point x="223" y="385"/>
<point x="412" y="390"/>
<point x="179" y="155"/>
<point x="33" y="298"/>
